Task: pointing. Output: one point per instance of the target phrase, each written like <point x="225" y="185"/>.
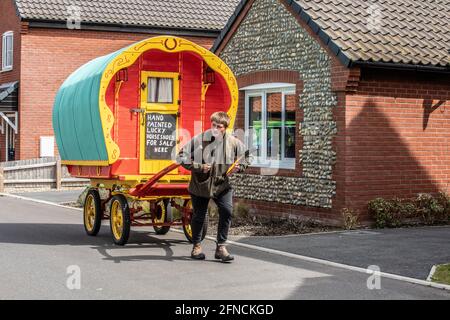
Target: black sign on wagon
<point x="160" y="136"/>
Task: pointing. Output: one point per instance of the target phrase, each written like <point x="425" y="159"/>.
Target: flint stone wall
<point x="270" y="38"/>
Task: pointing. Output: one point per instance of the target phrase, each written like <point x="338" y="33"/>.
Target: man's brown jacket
<point x="220" y="153"/>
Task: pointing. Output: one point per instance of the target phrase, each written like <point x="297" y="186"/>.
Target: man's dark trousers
<point x="224" y="203"/>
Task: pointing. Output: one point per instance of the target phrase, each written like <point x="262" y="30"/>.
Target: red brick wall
<point x="397" y="133"/>
<point x="49" y="56"/>
<point x="393" y="141"/>
<point x="9" y="21"/>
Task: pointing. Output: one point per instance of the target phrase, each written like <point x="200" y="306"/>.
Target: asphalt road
<point x="39" y="242"/>
<point x="409" y="252"/>
<point x="61" y="196"/>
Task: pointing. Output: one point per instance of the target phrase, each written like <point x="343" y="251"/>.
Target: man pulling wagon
<point x="211" y="156"/>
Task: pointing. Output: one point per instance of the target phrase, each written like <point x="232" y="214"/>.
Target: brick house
<point x="359" y="93"/>
<point x="41" y="46"/>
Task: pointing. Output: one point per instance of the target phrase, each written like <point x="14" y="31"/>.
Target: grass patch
<point x="442" y="274"/>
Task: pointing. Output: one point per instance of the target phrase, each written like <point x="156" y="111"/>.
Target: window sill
<point x="275" y="165"/>
<point x="6" y="70"/>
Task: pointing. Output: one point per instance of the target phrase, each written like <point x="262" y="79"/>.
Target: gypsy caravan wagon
<point x="113" y="120"/>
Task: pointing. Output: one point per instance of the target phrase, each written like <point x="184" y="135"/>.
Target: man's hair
<point x="221" y="118"/>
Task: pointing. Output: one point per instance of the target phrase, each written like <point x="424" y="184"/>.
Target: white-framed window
<point x="270" y="124"/>
<point x="7" y="51"/>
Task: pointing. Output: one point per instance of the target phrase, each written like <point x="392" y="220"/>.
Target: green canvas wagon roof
<point x="76" y="115"/>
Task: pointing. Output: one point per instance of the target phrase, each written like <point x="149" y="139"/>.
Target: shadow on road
<point x="145" y="246"/>
<point x="74" y="235"/>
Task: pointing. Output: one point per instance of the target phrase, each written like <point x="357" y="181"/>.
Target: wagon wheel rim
<point x="160" y="216"/>
<point x="187" y="226"/>
<point x="89" y="212"/>
<point x="117" y="220"/>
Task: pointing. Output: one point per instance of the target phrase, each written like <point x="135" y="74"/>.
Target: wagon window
<point x="160" y="90"/>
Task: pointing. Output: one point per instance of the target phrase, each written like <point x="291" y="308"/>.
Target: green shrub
<point x="444" y="201"/>
<point x="429" y="208"/>
<point x="384" y="212"/>
<point x="425" y="208"/>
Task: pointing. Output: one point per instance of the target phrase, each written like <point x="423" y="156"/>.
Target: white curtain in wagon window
<point x="160" y="90"/>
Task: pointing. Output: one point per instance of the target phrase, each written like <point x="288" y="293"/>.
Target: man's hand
<point x="206" y="167"/>
<point x="235" y="169"/>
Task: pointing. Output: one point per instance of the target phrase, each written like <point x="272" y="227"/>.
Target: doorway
<point x="159" y="120"/>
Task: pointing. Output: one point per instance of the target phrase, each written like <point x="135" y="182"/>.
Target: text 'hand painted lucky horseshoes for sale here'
<point x="120" y="118"/>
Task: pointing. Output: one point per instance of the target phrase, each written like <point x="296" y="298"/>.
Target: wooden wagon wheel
<point x="187" y="222"/>
<point x="120" y="220"/>
<point x="92" y="212"/>
<point x="163" y="214"/>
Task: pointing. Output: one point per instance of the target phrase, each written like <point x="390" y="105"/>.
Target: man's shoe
<point x="222" y="254"/>
<point x="197" y="253"/>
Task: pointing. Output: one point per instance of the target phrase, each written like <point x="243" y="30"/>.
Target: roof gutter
<point x="400" y="66"/>
<point x="53" y="24"/>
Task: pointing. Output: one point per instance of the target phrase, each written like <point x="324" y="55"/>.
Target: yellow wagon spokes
<point x="120" y="221"/>
<point x="161" y="213"/>
<point x="117" y="220"/>
<point x="188" y="227"/>
<point x="189" y="230"/>
<point x="90" y="212"/>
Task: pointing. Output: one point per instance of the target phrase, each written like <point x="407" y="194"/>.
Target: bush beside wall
<point x="425" y="209"/>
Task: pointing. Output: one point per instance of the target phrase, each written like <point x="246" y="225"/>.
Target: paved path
<point x="38" y="242"/>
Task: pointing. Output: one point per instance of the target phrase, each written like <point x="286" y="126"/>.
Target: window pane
<point x="274" y="125"/>
<point x="8" y="51"/>
<point x="152" y="90"/>
<point x="9" y="58"/>
<point x="165" y="94"/>
<point x="289" y="126"/>
<point x="8" y="43"/>
<point x="255" y="124"/>
<point x="160" y="90"/>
